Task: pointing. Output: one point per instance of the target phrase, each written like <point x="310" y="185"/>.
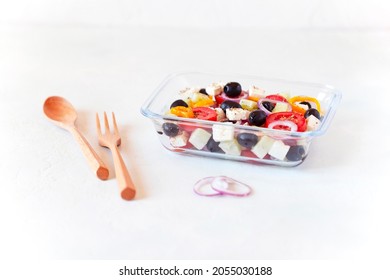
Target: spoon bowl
<point x="60" y="111"/>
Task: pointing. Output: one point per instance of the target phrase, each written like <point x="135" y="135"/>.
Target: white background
<point x="211" y="13"/>
<point x="110" y="55"/>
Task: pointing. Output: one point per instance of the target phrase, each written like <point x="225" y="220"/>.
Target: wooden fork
<point x="112" y="141"/>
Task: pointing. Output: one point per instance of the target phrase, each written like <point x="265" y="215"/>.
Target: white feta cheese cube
<point x="179" y="140"/>
<point x="279" y="150"/>
<point x="256" y="92"/>
<point x="214" y="89"/>
<point x="220" y="114"/>
<point x="231" y="147"/>
<point x="186" y="93"/>
<point x="281" y="107"/>
<point x="312" y="123"/>
<point x="223" y="133"/>
<point x="199" y="138"/>
<point x="263" y="146"/>
<point x="266" y="142"/>
<point x="236" y="114"/>
<point x="259" y="151"/>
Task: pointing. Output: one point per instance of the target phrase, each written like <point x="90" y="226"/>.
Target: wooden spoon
<point x="59" y="111"/>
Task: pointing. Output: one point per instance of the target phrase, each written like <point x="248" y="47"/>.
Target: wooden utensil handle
<point x="94" y="161"/>
<point x="126" y="185"/>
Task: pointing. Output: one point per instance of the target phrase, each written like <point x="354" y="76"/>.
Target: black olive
<point x="203" y="91"/>
<point x="232" y="89"/>
<point x="228" y="104"/>
<point x="170" y="129"/>
<point x="257" y="118"/>
<point x="179" y="102"/>
<point x="268" y="105"/>
<point x="213" y="146"/>
<point x="247" y="140"/>
<point x="313" y="112"/>
<point x="295" y="153"/>
<point x="306" y="103"/>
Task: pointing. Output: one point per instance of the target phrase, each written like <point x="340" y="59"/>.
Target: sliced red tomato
<point x="296" y="118"/>
<point x="276" y="97"/>
<point x="205" y="113"/>
<point x="219" y="99"/>
<point x="248" y="153"/>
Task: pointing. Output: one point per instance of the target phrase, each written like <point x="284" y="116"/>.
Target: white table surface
<point x="333" y="206"/>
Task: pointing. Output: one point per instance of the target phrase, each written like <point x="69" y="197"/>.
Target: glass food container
<point x="226" y="140"/>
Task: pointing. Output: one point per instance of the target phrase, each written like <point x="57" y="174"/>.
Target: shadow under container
<point x="296" y="143"/>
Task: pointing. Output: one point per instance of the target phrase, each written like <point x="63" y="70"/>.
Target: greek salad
<point x="253" y="107"/>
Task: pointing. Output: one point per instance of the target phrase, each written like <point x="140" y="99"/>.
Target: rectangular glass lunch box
<point x="273" y="146"/>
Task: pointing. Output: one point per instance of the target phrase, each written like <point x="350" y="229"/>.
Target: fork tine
<point x="106" y="125"/>
<point x="116" y="131"/>
<point x="98" y="128"/>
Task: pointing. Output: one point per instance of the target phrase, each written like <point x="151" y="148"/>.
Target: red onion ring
<point x="266" y="111"/>
<point x="203" y="187"/>
<point x="243" y="95"/>
<point x="229" y="186"/>
<point x="221" y="185"/>
<point x="293" y="126"/>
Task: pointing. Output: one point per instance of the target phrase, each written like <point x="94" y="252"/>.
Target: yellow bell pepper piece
<point x="300" y="98"/>
<point x="181" y="111"/>
<point x="203" y="103"/>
